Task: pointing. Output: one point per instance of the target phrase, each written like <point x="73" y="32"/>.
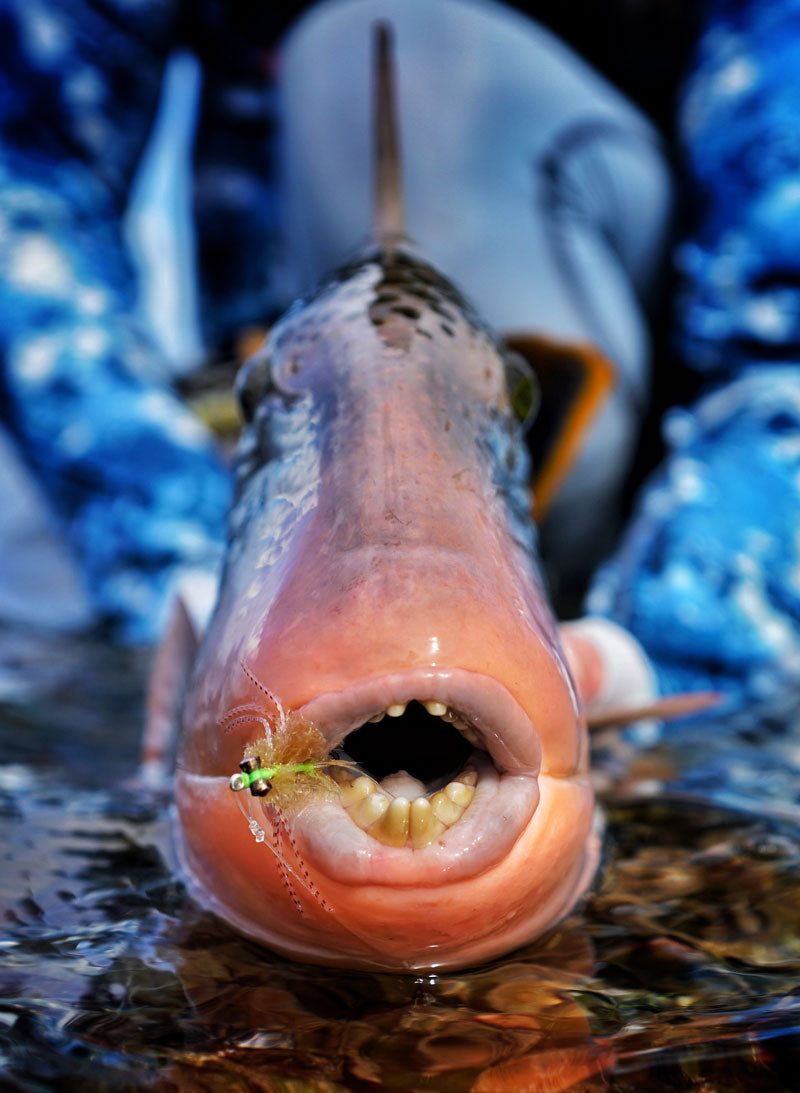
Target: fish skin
<point x="381" y="550"/>
<point x="380" y="538"/>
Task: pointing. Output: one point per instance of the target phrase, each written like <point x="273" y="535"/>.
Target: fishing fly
<point x="286" y="769"/>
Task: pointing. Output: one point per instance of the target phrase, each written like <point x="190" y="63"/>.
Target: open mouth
<point x="418" y="774"/>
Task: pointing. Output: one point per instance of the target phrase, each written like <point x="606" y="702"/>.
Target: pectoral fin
<point x="169" y="676"/>
<point x="668" y="708"/>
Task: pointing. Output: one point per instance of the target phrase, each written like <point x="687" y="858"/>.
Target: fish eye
<point x="523" y="388"/>
<point x="261" y="375"/>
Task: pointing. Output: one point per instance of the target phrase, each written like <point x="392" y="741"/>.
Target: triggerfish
<point x="383" y="760"/>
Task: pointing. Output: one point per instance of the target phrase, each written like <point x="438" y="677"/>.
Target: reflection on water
<point x="682" y="971"/>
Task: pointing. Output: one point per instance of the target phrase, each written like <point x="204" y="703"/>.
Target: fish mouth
<point x="354" y="876"/>
<point x="442" y="777"/>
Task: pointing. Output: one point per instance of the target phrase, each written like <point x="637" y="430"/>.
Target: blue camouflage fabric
<point x="131" y="475"/>
<point x="708" y="576"/>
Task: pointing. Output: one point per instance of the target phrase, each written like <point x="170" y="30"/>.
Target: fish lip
<point x="506" y="730"/>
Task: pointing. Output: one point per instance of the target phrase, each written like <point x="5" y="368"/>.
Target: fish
<point x="383" y="759"/>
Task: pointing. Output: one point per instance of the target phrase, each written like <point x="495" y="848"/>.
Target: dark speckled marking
<point x="406" y="312"/>
<point x="409" y="287"/>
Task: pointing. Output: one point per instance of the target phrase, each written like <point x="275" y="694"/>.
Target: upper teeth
<point x="435" y="709"/>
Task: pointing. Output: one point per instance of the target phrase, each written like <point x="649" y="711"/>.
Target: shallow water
<point x="681" y="972"/>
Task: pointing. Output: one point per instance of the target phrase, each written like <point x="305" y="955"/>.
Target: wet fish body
<point x="381" y="585"/>
<point x="381" y="553"/>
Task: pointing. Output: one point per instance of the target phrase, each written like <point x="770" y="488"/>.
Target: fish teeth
<point x="424" y="827"/>
<point x="394" y="821"/>
<point x="356" y="790"/>
<point x="445" y="809"/>
<point x="459" y="794"/>
<point x="370" y="809"/>
<point x="392" y="828"/>
<point x="436" y="709"/>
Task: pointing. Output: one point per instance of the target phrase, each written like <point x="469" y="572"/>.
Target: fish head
<point x="381" y="604"/>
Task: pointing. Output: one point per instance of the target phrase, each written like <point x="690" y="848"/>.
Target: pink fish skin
<point x="381" y="551"/>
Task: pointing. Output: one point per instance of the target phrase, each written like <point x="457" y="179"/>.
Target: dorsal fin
<point x="388" y="224"/>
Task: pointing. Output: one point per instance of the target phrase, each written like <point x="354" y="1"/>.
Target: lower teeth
<point x="396" y="821"/>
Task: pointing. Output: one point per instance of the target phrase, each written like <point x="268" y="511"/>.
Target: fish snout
<point x="426" y="833"/>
